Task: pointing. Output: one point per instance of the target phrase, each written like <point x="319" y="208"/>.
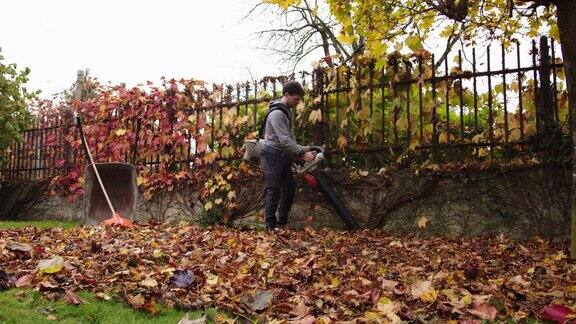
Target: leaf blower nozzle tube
<point x="325" y="188"/>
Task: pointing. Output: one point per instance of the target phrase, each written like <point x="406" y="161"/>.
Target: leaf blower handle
<point x="311" y="165"/>
<point x="87" y="151"/>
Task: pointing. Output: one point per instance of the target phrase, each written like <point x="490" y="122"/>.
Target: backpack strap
<point x="263" y="126"/>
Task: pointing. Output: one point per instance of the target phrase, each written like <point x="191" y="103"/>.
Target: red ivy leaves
<point x="176" y="127"/>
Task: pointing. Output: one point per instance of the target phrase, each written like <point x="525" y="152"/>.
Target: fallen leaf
<point x="149" y="283"/>
<point x="422" y="221"/>
<point x="259" y="300"/>
<point x="389" y="285"/>
<point x="6" y="281"/>
<point x="484" y="311"/>
<point x="71" y="298"/>
<point x="423" y="289"/>
<point x="103" y="296"/>
<point x="182" y="278"/>
<point x="211" y="279"/>
<point x="16" y="246"/>
<point x="222" y="318"/>
<point x="557" y="313"/>
<point x="136" y="301"/>
<point x="186" y="320"/>
<point x="389" y="309"/>
<point x="24" y="281"/>
<point x="300" y="310"/>
<point x="51" y="265"/>
<point x="396" y="244"/>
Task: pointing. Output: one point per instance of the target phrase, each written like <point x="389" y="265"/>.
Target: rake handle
<point x="87" y="150"/>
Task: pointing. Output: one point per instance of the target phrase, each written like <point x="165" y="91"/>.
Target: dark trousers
<point x="280" y="186"/>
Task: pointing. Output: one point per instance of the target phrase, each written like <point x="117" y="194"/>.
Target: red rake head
<point x="118" y="221"/>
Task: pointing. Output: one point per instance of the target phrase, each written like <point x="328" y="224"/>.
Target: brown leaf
<point x="259" y="300"/>
<point x="102" y="296"/>
<point x="71" y="298"/>
<point x="148" y="283"/>
<point x="389" y="285"/>
<point x="136" y="301"/>
<point x="186" y="320"/>
<point x="21" y="247"/>
<point x="24" y="281"/>
<point x="300" y="310"/>
<point x="484" y="311"/>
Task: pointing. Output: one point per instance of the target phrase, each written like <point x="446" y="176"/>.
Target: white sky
<point x="132" y="41"/>
<point x="135" y="41"/>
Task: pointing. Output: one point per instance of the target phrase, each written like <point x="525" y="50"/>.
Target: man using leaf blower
<point x="277" y="153"/>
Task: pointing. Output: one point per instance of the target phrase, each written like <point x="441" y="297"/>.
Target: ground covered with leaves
<point x="303" y="275"/>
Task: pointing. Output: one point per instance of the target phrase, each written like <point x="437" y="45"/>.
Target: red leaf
<point x="557" y="313"/>
<point x="484" y="311"/>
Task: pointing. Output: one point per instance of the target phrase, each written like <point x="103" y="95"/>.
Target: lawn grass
<point x="29" y="306"/>
<point x="43" y="223"/>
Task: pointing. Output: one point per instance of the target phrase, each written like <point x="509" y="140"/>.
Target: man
<point x="277" y="153"/>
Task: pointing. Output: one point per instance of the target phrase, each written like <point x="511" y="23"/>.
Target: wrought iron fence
<point x="360" y="109"/>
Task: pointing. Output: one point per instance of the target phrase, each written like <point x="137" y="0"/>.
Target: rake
<point x="116" y="219"/>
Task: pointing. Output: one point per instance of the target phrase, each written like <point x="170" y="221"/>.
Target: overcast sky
<point x="132" y="41"/>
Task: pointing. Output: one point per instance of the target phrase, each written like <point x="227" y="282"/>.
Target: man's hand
<point x="308" y="156"/>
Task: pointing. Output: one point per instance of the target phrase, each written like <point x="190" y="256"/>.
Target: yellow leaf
<point x="211" y="279"/>
<point x="483" y="152"/>
<point x="514" y="86"/>
<point x="231" y="194"/>
<point x="443" y="138"/>
<point x="208" y="205"/>
<point x="139" y="180"/>
<point x="315" y="116"/>
<point x="559" y="256"/>
<point x="388" y="308"/>
<point x="335" y="282"/>
<point x="396" y="244"/>
<point x="218" y="201"/>
<point x="227" y="151"/>
<point x="51" y="265"/>
<point x="515" y="135"/>
<point x="414" y="144"/>
<point x="466" y="300"/>
<point x="423" y="221"/>
<point x="414" y="43"/>
<point x="342" y="142"/>
<point x="120" y="132"/>
<point x="372" y="316"/>
<point x="429" y="296"/>
<point x="529" y="129"/>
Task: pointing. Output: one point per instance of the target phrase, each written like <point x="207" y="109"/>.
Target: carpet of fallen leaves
<point x="306" y="275"/>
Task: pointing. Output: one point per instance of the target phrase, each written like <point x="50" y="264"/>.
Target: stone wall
<point x="519" y="202"/>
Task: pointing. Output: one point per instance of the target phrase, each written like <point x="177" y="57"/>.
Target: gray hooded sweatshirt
<point x="278" y="134"/>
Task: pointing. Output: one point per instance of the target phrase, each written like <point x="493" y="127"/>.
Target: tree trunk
<point x="566" y="11"/>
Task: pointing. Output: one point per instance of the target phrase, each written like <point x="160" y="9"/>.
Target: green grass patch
<point x="28" y="306"/>
<point x="44" y="224"/>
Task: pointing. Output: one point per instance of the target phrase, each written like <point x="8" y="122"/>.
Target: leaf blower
<point x="313" y="177"/>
